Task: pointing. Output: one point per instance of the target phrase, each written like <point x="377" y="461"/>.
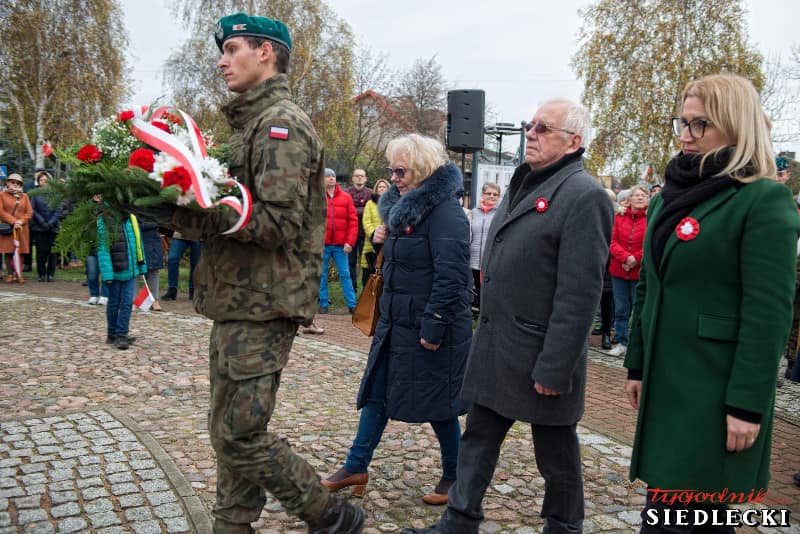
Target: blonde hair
<point x="383" y="181"/>
<point x="733" y="106"/>
<point x="422" y="154"/>
<point x="639" y="187"/>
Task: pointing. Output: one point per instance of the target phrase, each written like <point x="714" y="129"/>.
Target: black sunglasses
<point x="542" y="128"/>
<point x="399" y="171"/>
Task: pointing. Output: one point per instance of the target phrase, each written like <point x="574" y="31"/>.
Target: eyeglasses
<point x="697" y="127"/>
<point x="399" y="171"/>
<point x="542" y="128"/>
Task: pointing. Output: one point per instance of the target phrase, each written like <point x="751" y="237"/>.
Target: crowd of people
<point x="679" y="267"/>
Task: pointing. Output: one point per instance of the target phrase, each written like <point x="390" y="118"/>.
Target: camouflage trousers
<point x="246" y="359"/>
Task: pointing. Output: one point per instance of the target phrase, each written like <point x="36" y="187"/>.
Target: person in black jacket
<point x="418" y="355"/>
<point x="44" y="229"/>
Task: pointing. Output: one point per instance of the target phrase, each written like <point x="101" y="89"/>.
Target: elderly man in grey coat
<point x="543" y="275"/>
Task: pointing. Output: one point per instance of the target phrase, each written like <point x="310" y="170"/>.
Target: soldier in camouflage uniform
<point x="259" y="283"/>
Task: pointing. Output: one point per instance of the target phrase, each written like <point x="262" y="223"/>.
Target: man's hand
<point x="542" y="390"/>
<point x="633" y="389"/>
<point x="347" y="248"/>
<point x="741" y="434"/>
<point x="428" y="346"/>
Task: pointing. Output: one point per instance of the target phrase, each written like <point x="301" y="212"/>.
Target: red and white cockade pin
<point x="687" y="229"/>
<point x="408" y="229"/>
<point x="542" y="204"/>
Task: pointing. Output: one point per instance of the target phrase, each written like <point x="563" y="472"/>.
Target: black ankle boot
<point x="340" y="517"/>
<point x="171" y="294"/>
<point x="606" y="341"/>
<point x="191" y="293"/>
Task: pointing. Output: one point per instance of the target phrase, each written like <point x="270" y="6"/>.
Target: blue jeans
<point x="624" y="295"/>
<point x="373" y="421"/>
<point x="118" y="309"/>
<point x="96" y="289"/>
<point x="176" y="249"/>
<point x="340" y="258"/>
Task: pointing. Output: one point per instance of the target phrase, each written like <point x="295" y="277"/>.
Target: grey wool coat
<point x="542" y="279"/>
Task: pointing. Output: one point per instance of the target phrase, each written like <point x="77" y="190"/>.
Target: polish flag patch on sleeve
<point x="278" y="132"/>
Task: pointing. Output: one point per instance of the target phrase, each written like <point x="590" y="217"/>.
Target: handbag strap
<point x="379" y="262"/>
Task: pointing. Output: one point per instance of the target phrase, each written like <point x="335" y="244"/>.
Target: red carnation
<point x="178" y="176"/>
<point x="89" y="154"/>
<point x="142" y="158"/>
<point x="125" y="115"/>
<point x="161" y="126"/>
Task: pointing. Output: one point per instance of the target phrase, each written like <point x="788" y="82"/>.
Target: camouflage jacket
<point x="270" y="268"/>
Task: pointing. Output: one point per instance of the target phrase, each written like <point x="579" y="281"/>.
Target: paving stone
<point x="10" y="482"/>
<point x="129" y="501"/>
<point x="124" y="489"/>
<point x="90" y="471"/>
<point x="138" y="514"/>
<point x="115" y="457"/>
<point x="33" y="468"/>
<point x="34" y="478"/>
<point x="65" y="510"/>
<point x="5" y="519"/>
<point x="104" y="519"/>
<point x="155" y="485"/>
<point x="12" y="492"/>
<point x="89" y="482"/>
<point x="161" y="497"/>
<point x="146" y="527"/>
<point x="28" y="502"/>
<point x="89" y="494"/>
<point x="168" y="510"/>
<point x="119" y="478"/>
<point x="98" y="505"/>
<point x="116" y="467"/>
<point x="111" y="530"/>
<point x="150" y="474"/>
<point x="139" y="465"/>
<point x="35" y="489"/>
<point x="72" y="524"/>
<point x="39" y="528"/>
<point x="90" y="460"/>
<point x="31" y="516"/>
<point x="60" y="497"/>
<point x="176" y="524"/>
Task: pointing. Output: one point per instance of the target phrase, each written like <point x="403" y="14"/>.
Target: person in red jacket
<point x="627" y="240"/>
<point x="341" y="233"/>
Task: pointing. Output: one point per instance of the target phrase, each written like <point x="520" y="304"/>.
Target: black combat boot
<point x="340" y="517"/>
<point x="606" y="341"/>
<point x="191" y="293"/>
<point x="171" y="294"/>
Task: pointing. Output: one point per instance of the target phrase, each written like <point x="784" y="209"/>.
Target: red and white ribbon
<point x="192" y="160"/>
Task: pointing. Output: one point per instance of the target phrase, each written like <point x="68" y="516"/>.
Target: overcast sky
<point x="518" y="51"/>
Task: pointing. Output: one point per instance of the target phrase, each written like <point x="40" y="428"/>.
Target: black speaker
<point x="465" y="108"/>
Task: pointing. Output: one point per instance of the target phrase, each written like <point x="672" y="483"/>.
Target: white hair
<point x="577" y="119"/>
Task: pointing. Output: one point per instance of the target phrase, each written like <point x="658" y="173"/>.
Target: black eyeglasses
<point x="399" y="171"/>
<point x="542" y="128"/>
<point x="697" y="127"/>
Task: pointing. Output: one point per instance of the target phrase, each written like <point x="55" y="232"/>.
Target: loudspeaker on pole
<point x="465" y="121"/>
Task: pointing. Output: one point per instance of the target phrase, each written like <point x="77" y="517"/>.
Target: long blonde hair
<point x="733" y="105"/>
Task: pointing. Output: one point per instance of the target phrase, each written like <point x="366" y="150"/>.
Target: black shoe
<point x="171" y="294"/>
<point x="797" y="478"/>
<point x="41" y="278"/>
<point x="323" y="309"/>
<point x="429" y="530"/>
<point x="121" y="342"/>
<point x="110" y="340"/>
<point x="340" y="517"/>
<point x="191" y="293"/>
<point x="606" y="342"/>
<point x="51" y="279"/>
<point x="351" y="310"/>
<point x="129" y="339"/>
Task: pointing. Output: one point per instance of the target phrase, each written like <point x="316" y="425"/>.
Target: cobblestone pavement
<point x="97" y="439"/>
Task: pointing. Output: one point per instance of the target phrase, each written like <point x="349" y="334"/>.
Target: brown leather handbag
<point x="367" y="311"/>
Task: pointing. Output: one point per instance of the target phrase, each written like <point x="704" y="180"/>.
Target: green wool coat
<point x="707" y="331"/>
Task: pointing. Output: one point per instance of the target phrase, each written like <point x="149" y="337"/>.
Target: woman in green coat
<point x="713" y="304"/>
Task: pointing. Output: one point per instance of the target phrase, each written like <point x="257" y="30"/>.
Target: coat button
<point x="498" y="239"/>
<point x="484" y="319"/>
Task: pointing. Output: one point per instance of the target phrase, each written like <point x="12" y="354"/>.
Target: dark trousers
<point x="476" y="284"/>
<point x="558" y="459"/>
<point x="45" y="259"/>
<point x="354" y="260"/>
<point x="606" y="311"/>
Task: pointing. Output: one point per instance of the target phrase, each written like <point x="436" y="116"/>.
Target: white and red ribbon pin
<point x="192" y="160"/>
<point x="542" y="204"/>
<point x="687" y="229"/>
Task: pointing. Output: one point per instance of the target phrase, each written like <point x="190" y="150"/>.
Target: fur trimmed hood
<point x="400" y="212"/>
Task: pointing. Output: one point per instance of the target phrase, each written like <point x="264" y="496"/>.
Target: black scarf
<point x="685" y="187"/>
<point x="526" y="179"/>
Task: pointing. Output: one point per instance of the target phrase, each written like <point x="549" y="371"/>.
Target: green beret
<point x="242" y="24"/>
<point x="781" y="163"/>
